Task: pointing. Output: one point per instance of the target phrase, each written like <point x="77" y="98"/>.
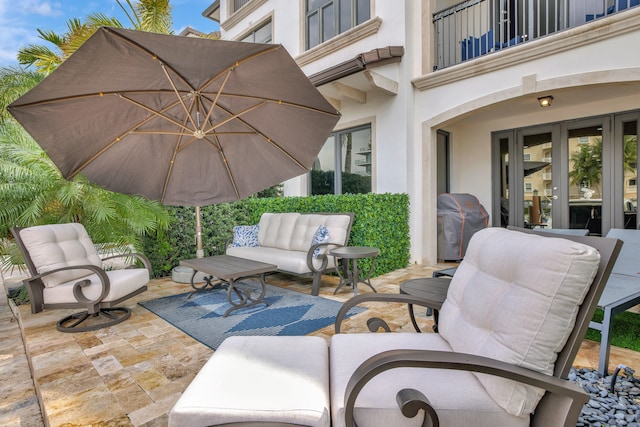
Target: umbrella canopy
<point x="186" y="121"/>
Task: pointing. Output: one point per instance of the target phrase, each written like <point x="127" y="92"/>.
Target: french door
<point x="578" y="174"/>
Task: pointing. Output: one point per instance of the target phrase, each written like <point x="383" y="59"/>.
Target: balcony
<point x="474" y="28"/>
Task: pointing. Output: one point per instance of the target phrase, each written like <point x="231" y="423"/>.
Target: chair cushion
<point x="123" y="282"/>
<point x="60" y="245"/>
<point x="515" y="298"/>
<point x="462" y="402"/>
<point x="271" y="379"/>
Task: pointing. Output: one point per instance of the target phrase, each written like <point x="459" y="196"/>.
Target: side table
<point x="353" y="276"/>
<point x="431" y="288"/>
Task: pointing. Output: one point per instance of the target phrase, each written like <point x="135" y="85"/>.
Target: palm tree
<point x="145" y="15"/>
<point x="587" y="166"/>
<point x="32" y="189"/>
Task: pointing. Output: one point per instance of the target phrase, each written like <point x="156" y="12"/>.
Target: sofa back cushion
<point x="307" y="225"/>
<point x="276" y="229"/>
<point x="294" y="231"/>
<point x="515" y="298"/>
<point x="60" y="245"/>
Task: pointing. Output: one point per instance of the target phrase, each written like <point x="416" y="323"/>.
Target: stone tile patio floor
<point x="132" y="374"/>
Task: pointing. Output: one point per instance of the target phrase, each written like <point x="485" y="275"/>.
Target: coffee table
<point x="355" y="275"/>
<point x="224" y="271"/>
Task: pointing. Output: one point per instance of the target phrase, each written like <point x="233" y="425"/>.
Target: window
<point x="237" y="4"/>
<point x="260" y="35"/>
<point x="328" y="18"/>
<point x="528" y="187"/>
<point x="344" y="163"/>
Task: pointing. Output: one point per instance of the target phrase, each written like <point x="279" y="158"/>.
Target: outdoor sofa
<point x="297" y="243"/>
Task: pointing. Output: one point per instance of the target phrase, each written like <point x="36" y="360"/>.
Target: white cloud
<point x="40" y="7"/>
<point x="19" y="20"/>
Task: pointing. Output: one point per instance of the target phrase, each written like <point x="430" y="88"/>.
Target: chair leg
<point x="104" y="318"/>
<point x="605" y="335"/>
<point x="315" y="286"/>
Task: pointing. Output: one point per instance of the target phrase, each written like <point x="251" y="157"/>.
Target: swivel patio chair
<point x="511" y="324"/>
<point x="66" y="271"/>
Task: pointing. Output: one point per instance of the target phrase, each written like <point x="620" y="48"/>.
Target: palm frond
<point x="155" y="16"/>
<point x="15" y="82"/>
<point x="41" y="57"/>
<point x="133" y="16"/>
<point x="51" y="37"/>
<point x="101" y="20"/>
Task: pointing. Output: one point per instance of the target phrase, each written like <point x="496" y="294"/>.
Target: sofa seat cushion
<point x="520" y="312"/>
<point x="123" y="282"/>
<point x="466" y="404"/>
<point x="286" y="260"/>
<point x="270" y="379"/>
<point x="64" y="245"/>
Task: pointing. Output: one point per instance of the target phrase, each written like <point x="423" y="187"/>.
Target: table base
<point x="352" y="276"/>
<point x="245" y="298"/>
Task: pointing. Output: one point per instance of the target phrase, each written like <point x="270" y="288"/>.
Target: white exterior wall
<point x="590" y="70"/>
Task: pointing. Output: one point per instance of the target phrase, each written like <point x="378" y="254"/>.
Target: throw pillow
<point x="245" y="235"/>
<point x="321" y="236"/>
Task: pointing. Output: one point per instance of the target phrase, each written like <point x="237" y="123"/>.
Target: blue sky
<point x="19" y="19"/>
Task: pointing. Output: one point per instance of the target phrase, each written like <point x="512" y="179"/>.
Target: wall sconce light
<point x="545" y="101"/>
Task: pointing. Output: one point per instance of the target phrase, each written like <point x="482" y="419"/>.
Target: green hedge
<point x="179" y="242"/>
<point x="380" y="220"/>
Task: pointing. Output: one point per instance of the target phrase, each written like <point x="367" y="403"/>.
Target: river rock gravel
<point x="606" y="408"/>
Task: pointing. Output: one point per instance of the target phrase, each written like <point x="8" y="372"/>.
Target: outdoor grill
<point x="459" y="217"/>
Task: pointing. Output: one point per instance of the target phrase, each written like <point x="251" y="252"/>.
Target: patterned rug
<point x="289" y="313"/>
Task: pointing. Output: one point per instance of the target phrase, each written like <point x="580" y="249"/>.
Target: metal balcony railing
<point x="473" y="28"/>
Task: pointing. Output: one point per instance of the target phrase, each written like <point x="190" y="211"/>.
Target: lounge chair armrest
<point x="77" y="287"/>
<point x="559" y="392"/>
<point x="324" y="257"/>
<point x="140" y="257"/>
<point x="359" y="299"/>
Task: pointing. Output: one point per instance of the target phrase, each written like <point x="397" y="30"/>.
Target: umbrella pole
<point x="199" y="251"/>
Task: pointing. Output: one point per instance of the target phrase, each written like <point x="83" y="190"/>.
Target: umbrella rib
<point x="257" y="132"/>
<point x="155" y="113"/>
<point x="217" y="144"/>
<point x="234" y="116"/>
<point x="214" y="102"/>
<point x="175" y="90"/>
<point x="274" y="101"/>
<point x="176" y="149"/>
<point x="115" y="141"/>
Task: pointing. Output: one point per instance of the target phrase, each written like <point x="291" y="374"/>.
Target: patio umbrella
<point x="186" y="121"/>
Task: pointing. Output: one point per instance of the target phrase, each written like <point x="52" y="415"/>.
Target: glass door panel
<point x="630" y="180"/>
<point x="585" y="179"/>
<point x="538" y="186"/>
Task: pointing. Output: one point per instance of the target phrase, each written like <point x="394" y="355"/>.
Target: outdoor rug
<point x="289" y="313"/>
